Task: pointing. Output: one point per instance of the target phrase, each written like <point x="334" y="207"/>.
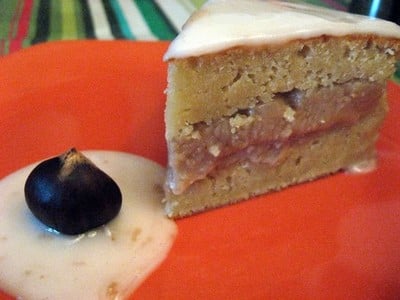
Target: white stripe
<point x="135" y="20"/>
<point x="101" y="26"/>
<point x="176" y="12"/>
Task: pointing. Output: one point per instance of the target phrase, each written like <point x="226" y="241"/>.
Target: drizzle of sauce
<point x="106" y="263"/>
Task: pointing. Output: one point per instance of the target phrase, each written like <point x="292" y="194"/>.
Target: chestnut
<point x="71" y="195"/>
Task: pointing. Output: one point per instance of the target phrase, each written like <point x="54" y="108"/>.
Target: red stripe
<point x="11" y="31"/>
<point x="23" y="26"/>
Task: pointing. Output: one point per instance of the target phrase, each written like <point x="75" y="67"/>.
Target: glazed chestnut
<point x="71" y="195"/>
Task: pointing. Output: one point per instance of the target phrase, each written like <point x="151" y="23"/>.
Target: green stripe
<point x="68" y="25"/>
<point x="7" y="11"/>
<point x="121" y="20"/>
<point x="32" y="25"/>
<point x="43" y="21"/>
<point x="55" y="31"/>
<point x="197" y="3"/>
<point x="86" y="20"/>
<point x="156" y="21"/>
<point x="79" y="20"/>
<point x="112" y="19"/>
<point x="186" y="4"/>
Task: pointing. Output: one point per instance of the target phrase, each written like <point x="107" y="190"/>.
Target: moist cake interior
<point x="251" y="119"/>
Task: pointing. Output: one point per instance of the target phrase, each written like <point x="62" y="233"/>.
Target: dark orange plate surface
<point x="338" y="237"/>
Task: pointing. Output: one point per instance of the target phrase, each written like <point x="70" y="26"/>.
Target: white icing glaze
<point x="362" y="167"/>
<point x="223" y="24"/>
<point x="107" y="263"/>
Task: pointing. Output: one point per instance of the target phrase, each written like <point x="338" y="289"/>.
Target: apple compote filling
<point x="259" y="133"/>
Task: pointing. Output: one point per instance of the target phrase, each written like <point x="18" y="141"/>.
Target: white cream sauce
<point x="107" y="263"/>
<point x="223" y="24"/>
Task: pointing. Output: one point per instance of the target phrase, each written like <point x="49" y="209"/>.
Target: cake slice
<point x="266" y="94"/>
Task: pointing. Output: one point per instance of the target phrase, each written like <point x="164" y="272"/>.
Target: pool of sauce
<point x="106" y="263"/>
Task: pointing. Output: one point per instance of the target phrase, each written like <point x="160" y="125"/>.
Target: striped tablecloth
<point x="28" y="22"/>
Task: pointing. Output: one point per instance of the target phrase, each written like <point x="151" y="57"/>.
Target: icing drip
<point x="362" y="167"/>
<point x="223" y="24"/>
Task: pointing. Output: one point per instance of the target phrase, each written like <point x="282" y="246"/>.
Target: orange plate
<point x="338" y="237"/>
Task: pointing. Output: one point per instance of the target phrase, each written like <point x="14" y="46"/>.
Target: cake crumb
<point x="195" y="135"/>
<point x="289" y="114"/>
<point x="187" y="130"/>
<point x="214" y="150"/>
<point x="112" y="290"/>
<point x="240" y="120"/>
<point x="389" y="51"/>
